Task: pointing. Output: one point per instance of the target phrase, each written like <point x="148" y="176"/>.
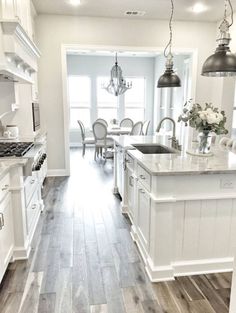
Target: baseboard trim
<point x="57" y="172"/>
<point x="21" y="253"/>
<point x="159" y="273"/>
<point x="207" y="266"/>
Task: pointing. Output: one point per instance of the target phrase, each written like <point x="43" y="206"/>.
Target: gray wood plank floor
<point x="84" y="261"/>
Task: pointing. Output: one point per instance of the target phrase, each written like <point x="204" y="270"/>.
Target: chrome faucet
<point x="174" y="141"/>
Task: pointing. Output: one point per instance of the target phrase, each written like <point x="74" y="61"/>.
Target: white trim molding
<point x="57" y="172"/>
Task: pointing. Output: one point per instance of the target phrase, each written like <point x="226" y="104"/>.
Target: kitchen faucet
<point x="174" y="142"/>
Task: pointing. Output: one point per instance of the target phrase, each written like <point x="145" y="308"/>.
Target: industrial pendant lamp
<point x="169" y="78"/>
<point x="223" y="62"/>
<point x="117" y="85"/>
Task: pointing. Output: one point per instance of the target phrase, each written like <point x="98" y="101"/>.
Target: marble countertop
<point x="222" y="161"/>
<point x="7" y="164"/>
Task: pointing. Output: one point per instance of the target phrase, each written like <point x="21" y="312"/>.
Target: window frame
<point x="72" y="103"/>
<point x="144" y="106"/>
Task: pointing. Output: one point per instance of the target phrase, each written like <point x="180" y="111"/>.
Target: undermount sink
<point x="153" y="149"/>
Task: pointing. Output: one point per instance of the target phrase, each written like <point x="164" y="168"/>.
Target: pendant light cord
<point x="169" y="45"/>
<point x="228" y="2"/>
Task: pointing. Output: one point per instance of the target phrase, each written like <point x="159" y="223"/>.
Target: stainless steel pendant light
<point x="169" y="78"/>
<point x="117" y="85"/>
<point x="223" y="62"/>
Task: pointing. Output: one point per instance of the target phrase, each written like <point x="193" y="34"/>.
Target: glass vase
<point x="204" y="142"/>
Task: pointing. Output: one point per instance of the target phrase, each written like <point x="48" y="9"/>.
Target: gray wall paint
<point x="94" y="66"/>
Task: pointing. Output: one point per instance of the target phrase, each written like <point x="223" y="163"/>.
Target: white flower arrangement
<point x="204" y="119"/>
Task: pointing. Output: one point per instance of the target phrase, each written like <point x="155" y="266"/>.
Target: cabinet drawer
<point x="144" y="213"/>
<point x="32" y="211"/>
<point x="144" y="177"/>
<point x="4" y="186"/>
<point x="30" y="186"/>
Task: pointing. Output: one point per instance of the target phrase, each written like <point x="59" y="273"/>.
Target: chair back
<point x="101" y="120"/>
<point x="99" y="131"/>
<point x="145" y="127"/>
<point x="126" y="122"/>
<point x="82" y="129"/>
<point x="136" y="129"/>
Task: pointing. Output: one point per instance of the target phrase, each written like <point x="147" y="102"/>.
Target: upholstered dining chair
<point x="126" y="122"/>
<point x="101" y="120"/>
<point x="101" y="139"/>
<point x="145" y="128"/>
<point x="85" y="140"/>
<point x="136" y="129"/>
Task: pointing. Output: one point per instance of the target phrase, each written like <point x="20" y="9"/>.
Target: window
<point x="134" y="99"/>
<point x="107" y="104"/>
<point x="79" y="88"/>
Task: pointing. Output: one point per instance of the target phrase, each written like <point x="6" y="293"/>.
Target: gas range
<point x="14" y="149"/>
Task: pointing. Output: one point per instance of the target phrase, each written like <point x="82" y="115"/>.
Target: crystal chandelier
<point x="117" y="85"/>
<point x="169" y="78"/>
<point x="223" y="62"/>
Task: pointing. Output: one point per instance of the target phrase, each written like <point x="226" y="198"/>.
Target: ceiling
<point x="155" y="9"/>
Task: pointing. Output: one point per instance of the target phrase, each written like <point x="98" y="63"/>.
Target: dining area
<point x="102" y="134"/>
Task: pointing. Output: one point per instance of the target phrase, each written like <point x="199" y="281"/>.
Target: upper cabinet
<point x="18" y="52"/>
<point x="20" y="11"/>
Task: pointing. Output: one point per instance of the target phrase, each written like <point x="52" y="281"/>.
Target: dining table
<point x="117" y="130"/>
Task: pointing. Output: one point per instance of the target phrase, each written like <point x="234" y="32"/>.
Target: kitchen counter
<point x="222" y="161"/>
<point x="182" y="207"/>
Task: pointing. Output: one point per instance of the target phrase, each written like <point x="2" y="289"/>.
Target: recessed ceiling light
<point x="75" y="2"/>
<point x="199" y="8"/>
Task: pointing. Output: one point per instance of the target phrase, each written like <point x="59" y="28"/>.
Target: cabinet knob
<point x="142" y="191"/>
<point x="142" y="176"/>
<point x="131" y="181"/>
<point x="1" y="220"/>
<point x="5" y="187"/>
<point x="34" y="206"/>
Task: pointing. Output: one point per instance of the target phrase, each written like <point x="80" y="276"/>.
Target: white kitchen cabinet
<point x="19" y="10"/>
<point x="143" y="204"/>
<point x="6" y="234"/>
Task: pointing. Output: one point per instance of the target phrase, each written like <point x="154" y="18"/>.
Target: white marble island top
<point x="223" y="160"/>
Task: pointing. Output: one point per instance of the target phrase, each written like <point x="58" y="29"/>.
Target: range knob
<point x="38" y="167"/>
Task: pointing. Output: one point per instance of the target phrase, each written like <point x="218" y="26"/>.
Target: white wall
<point x="94" y="66"/>
<point x="23" y="116"/>
<point x="52" y="31"/>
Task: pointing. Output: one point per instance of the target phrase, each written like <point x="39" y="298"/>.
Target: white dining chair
<point x="101" y="120"/>
<point x="136" y="129"/>
<point x="126" y="122"/>
<point x="145" y="127"/>
<point x="85" y="140"/>
<point x="101" y="139"/>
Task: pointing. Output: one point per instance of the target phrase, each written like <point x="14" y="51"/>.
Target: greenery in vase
<point x="204" y="118"/>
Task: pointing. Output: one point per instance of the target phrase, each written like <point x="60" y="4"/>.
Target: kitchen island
<point x="182" y="207"/>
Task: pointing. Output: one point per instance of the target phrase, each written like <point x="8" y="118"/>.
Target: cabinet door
<point x="130" y="194"/>
<point x="23" y="14"/>
<point x="8" y="9"/>
<point x="6" y="234"/>
<point x="143" y="218"/>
